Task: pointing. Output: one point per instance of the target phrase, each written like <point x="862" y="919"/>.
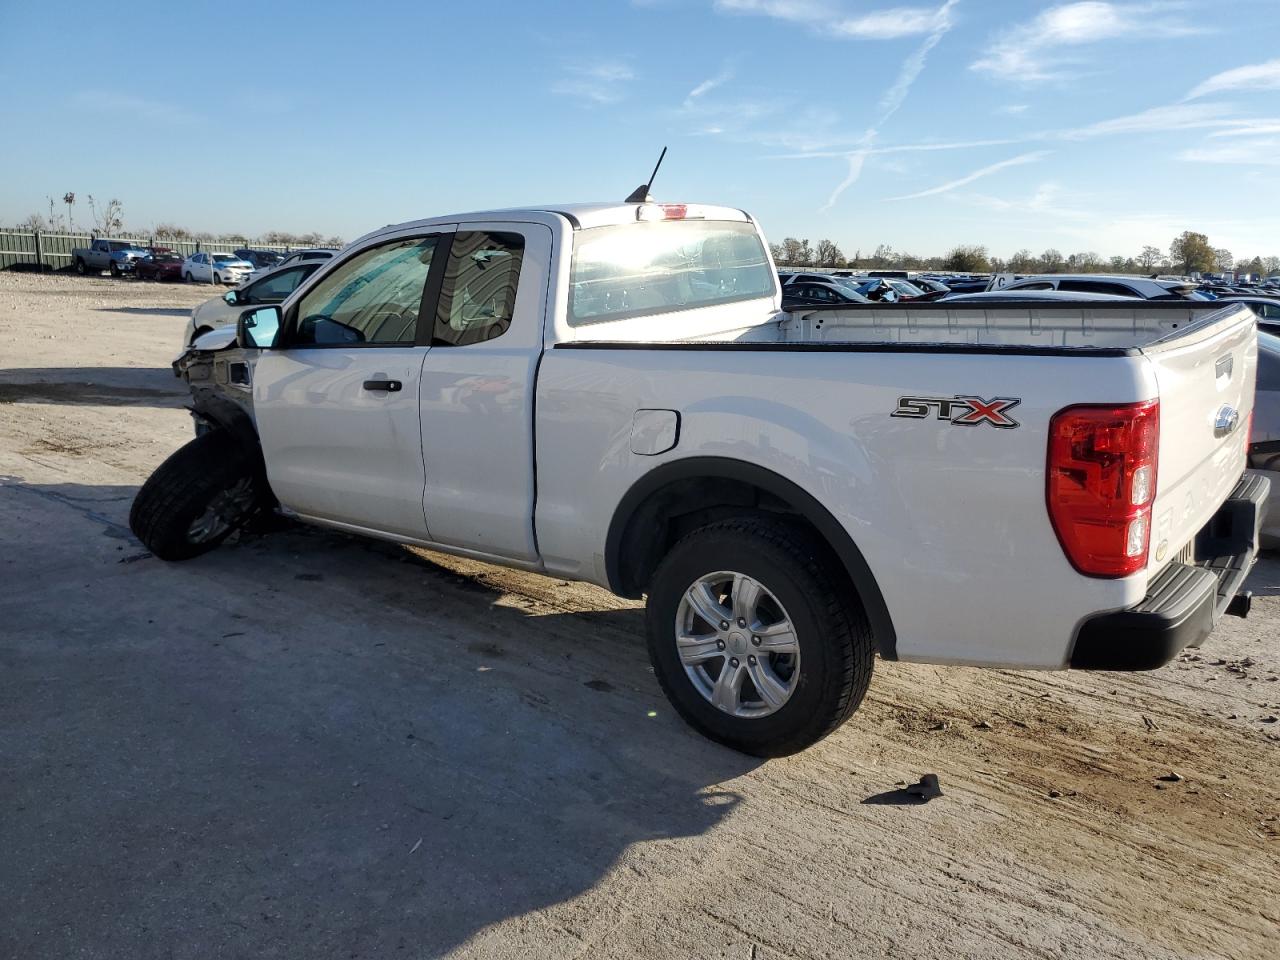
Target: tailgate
<point x="1205" y="375"/>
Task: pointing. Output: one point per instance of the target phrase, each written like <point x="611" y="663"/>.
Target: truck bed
<point x="1068" y="326"/>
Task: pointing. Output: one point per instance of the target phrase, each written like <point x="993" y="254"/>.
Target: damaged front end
<point x="219" y="374"/>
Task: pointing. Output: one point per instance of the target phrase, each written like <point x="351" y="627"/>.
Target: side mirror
<point x="231" y="298"/>
<point x="259" y="328"/>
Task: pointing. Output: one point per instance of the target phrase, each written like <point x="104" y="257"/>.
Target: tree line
<point x="1189" y="253"/>
<point x="107" y="220"/>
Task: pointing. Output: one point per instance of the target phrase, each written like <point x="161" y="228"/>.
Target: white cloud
<point x="600" y="83"/>
<point x="891" y="24"/>
<point x="797" y="11"/>
<point x="1031" y="51"/>
<point x="1259" y="153"/>
<point x="1012" y="109"/>
<point x="706" y="86"/>
<point x="1256" y="76"/>
<point x="1250" y="128"/>
<point x="1177" y="117"/>
<point x="830" y="18"/>
<point x="976" y="175"/>
<point x="893" y="98"/>
<point x="914" y="64"/>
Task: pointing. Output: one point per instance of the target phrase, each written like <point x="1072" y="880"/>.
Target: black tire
<point x="837" y="650"/>
<point x="81" y="268"/>
<point x="115" y="270"/>
<point x="187" y="276"/>
<point x="186" y="487"/>
<point x="217" y="279"/>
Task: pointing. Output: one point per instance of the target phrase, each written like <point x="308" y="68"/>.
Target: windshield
<point x="122" y="245"/>
<point x="637" y="269"/>
<point x="224" y="257"/>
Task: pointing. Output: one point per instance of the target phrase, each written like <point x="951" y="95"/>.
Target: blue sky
<point x="1013" y="123"/>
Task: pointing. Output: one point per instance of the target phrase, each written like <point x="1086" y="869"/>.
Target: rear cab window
<point x="656" y="267"/>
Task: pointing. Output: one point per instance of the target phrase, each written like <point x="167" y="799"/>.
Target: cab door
<point x="337" y="401"/>
<point x="478" y="389"/>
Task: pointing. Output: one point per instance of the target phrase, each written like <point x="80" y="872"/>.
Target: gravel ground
<point x="307" y="745"/>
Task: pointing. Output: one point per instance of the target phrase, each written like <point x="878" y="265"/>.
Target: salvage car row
<point x="124" y="258"/>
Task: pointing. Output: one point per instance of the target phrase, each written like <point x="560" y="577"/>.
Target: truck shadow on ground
<point x="307" y="744"/>
<point x="156" y="311"/>
<point x="100" y="386"/>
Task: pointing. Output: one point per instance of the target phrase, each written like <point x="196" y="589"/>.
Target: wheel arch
<point x="226" y="415"/>
<point x="671" y="499"/>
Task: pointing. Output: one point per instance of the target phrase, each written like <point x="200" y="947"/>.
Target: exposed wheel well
<point x="679" y="497"/>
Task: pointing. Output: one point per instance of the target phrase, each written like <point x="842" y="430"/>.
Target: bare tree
<point x="1051" y="261"/>
<point x="1150" y="257"/>
<point x="33" y="224"/>
<point x="829" y="255"/>
<point x="107" y="218"/>
<point x="884" y="256"/>
<point x="1023" y="261"/>
<point x="171" y="231"/>
<point x="1271" y="264"/>
<point x="1222" y="258"/>
<point x="796" y="253"/>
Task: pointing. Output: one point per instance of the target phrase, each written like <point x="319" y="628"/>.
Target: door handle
<point x="385" y="386"/>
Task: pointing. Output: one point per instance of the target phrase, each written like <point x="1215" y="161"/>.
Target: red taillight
<point x="1101" y="483"/>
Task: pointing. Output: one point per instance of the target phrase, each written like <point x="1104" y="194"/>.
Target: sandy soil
<point x="308" y="745"/>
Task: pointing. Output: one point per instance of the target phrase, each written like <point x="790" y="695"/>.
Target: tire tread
<point x="162" y="508"/>
<point x="841" y="614"/>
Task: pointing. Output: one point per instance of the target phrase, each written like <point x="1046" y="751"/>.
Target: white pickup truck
<point x="612" y="393"/>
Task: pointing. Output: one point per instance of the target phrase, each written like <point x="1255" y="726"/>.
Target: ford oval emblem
<point x="1226" y="421"/>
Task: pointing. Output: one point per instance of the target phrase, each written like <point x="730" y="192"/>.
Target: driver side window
<point x="277" y="287"/>
<point x="373" y="298"/>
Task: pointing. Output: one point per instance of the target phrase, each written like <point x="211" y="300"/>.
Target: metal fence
<point x="25" y="250"/>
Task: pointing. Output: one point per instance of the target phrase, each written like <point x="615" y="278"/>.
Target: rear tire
<point x="196" y="498"/>
<point x="187" y="276"/>
<point x="81" y="268"/>
<point x="827" y="675"/>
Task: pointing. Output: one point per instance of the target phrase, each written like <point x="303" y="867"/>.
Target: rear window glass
<point x="662" y="266"/>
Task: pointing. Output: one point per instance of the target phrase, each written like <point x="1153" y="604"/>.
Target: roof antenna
<point x="641" y="193"/>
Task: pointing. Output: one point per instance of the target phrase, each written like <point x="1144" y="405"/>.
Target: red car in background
<point x="160" y="263"/>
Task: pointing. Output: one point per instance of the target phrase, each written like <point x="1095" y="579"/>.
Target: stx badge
<point x="961" y="411"/>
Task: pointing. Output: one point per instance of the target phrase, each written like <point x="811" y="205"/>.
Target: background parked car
<point x="875" y="289"/>
<point x="1264" y="441"/>
<point x="1121" y="286"/>
<point x="929" y="285"/>
<point x="261" y="259"/>
<point x="298" y="256"/>
<point x="808" y="293"/>
<point x="1267" y="309"/>
<point x="118" y="256"/>
<point x="160" y="263"/>
<point x="967" y="284"/>
<point x="1006" y="295"/>
<point x="272" y="287"/>
<point x="216" y="267"/>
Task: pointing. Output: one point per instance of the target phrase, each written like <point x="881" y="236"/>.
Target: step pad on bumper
<point x="1185" y="600"/>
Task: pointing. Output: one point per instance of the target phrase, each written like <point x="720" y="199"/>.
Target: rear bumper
<point x="1185" y="602"/>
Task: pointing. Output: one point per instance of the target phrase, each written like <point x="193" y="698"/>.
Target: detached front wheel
<point x="754" y="642"/>
<point x="196" y="498"/>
